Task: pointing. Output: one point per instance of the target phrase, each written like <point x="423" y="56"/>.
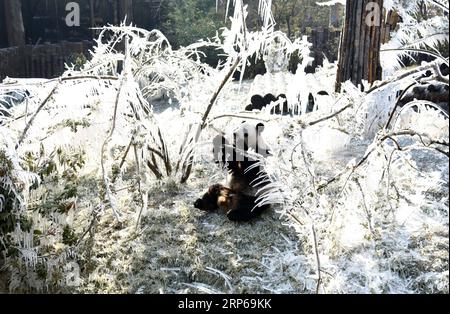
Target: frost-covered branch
<point x="410" y="73"/>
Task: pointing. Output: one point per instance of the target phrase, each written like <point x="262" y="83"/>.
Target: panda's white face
<point x="248" y="137"/>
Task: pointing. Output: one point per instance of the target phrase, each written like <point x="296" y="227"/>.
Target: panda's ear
<point x="260" y="127"/>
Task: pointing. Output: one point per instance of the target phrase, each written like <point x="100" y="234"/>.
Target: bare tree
<point x="359" y="55"/>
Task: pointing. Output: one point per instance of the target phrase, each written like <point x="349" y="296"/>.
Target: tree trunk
<point x="359" y="55"/>
<point x="92" y="12"/>
<point x="14" y="22"/>
<point x="289" y="29"/>
<point x="92" y="16"/>
<point x="126" y="10"/>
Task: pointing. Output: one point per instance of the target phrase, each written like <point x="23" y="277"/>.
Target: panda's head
<point x="248" y="136"/>
<point x="217" y="196"/>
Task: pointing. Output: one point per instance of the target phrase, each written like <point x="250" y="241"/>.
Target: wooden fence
<point x="41" y="61"/>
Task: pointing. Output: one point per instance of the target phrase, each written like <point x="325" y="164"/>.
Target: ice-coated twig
<point x="41" y="106"/>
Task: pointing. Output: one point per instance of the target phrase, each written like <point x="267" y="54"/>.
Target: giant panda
<point x="238" y="199"/>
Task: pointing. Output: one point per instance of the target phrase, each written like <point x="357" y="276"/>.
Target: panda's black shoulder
<point x="244" y="176"/>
